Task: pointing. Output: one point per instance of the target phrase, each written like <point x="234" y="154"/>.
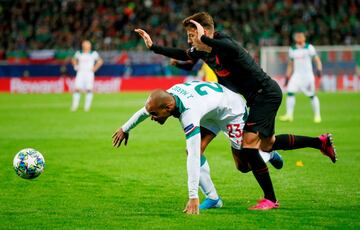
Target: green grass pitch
<point x="88" y="184"/>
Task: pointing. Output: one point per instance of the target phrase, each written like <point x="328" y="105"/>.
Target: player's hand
<point x="199" y="28"/>
<point x="118" y="137"/>
<point x="146" y="37"/>
<point x="192" y="207"/>
<point x="173" y="61"/>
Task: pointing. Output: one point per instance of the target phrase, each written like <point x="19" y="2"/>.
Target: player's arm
<point x="223" y="44"/>
<point x="318" y="65"/>
<point x="123" y="132"/>
<point x="193" y="147"/>
<point x="175" y="53"/>
<point x="185" y="65"/>
<point x="98" y="64"/>
<point x="75" y="61"/>
<point x="316" y="59"/>
<point x="289" y="71"/>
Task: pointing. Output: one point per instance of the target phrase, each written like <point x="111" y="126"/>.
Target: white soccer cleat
<point x="287" y="118"/>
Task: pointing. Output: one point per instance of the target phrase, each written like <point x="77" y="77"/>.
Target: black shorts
<point x="263" y="109"/>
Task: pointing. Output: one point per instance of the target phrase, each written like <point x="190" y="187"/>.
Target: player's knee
<point x="266" y="144"/>
<point x="250" y="140"/>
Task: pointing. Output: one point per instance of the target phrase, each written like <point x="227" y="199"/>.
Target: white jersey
<point x="86" y="61"/>
<point x="200" y="103"/>
<point x="302" y="59"/>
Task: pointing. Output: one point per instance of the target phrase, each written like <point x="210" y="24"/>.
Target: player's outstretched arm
<point x="146" y="37"/>
<point x="123" y="132"/>
<point x="118" y="138"/>
<point x="185" y="65"/>
<point x="175" y="53"/>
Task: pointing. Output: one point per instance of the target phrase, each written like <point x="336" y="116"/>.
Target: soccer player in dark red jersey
<point x="238" y="71"/>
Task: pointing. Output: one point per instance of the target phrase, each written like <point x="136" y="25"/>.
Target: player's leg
<point x="290" y="105"/>
<point x="233" y="128"/>
<point x="89" y="91"/>
<point x="260" y="126"/>
<point x="241" y="161"/>
<point x="76" y="94"/>
<point x="88" y="100"/>
<point x="289" y="141"/>
<point x="212" y="199"/>
<point x="290" y="100"/>
<point x="308" y="88"/>
<point x="315" y="104"/>
<point x="250" y="151"/>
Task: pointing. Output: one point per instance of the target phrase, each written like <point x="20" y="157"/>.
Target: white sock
<point x="206" y="184"/>
<point x="290" y="104"/>
<point x="88" y="100"/>
<point x="315" y="103"/>
<point x="75" y="101"/>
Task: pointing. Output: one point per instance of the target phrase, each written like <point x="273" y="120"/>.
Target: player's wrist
<point x="193" y="196"/>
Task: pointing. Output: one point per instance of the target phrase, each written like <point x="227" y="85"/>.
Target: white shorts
<point x="304" y="84"/>
<point x="232" y="127"/>
<point x="84" y="80"/>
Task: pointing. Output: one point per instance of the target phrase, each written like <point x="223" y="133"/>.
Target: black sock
<point x="261" y="172"/>
<point x="289" y="141"/>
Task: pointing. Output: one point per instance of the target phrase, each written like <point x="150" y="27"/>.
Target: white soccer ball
<point x="29" y="163"/>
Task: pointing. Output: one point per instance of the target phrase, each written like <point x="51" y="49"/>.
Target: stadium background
<point x="39" y="38"/>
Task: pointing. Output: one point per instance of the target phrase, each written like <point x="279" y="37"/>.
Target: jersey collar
<point x="179" y="107"/>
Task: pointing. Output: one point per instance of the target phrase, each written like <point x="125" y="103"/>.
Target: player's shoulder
<point x="94" y="53"/>
<point x="293" y="47"/>
<point x="309" y="46"/>
<point x="221" y="35"/>
<point x="225" y="37"/>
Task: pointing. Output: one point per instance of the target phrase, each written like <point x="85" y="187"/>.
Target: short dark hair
<point x="203" y="18"/>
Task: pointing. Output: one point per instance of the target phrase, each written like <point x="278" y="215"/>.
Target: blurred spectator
<point x="109" y="24"/>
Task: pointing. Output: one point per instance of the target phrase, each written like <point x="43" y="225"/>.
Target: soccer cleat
<point x="286" y="118"/>
<point x="209" y="203"/>
<point x="276" y="160"/>
<point x="265" y="204"/>
<point x="327" y="147"/>
<point x="317" y="119"/>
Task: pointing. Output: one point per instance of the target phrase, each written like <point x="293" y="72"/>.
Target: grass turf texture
<point x="87" y="184"/>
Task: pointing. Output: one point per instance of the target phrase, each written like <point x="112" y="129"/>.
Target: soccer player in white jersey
<point x="203" y="109"/>
<point x="300" y="76"/>
<point x="86" y="62"/>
